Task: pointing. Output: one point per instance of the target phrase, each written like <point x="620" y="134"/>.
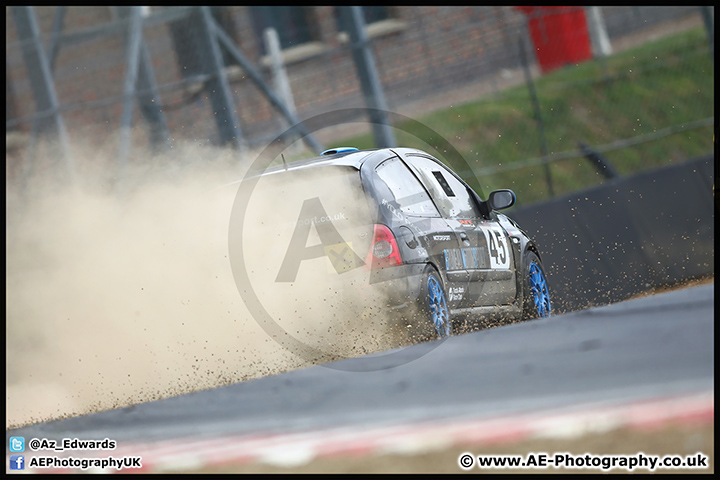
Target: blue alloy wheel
<point x="539" y="290"/>
<point x="438" y="307"/>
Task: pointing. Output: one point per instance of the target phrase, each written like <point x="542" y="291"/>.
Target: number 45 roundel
<point x="498" y="248"/>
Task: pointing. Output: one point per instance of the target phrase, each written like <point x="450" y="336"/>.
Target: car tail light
<point x="384" y="251"/>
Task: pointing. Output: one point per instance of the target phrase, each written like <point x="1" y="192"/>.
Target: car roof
<point x="348" y="158"/>
<point x="339" y="157"/>
<point x="344" y="157"/>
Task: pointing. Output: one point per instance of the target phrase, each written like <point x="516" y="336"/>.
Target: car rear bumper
<point x="398" y="286"/>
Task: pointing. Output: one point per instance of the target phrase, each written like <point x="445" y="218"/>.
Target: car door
<point x="423" y="234"/>
<point x="484" y="250"/>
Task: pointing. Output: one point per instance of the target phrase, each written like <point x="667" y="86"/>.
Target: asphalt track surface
<point x="632" y="351"/>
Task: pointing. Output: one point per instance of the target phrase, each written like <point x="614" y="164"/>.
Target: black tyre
<point x="536" y="294"/>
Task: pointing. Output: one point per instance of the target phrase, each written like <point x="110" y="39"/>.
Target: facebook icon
<point x="17" y="462"/>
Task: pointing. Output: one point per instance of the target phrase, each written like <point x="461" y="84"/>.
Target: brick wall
<point x="432" y="49"/>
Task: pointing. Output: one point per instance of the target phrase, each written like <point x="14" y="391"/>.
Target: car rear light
<point x="384" y="251"/>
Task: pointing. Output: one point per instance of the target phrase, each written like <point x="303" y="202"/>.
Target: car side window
<point x="451" y="195"/>
<point x="409" y="193"/>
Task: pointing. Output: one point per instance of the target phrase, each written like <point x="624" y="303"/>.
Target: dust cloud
<point x="122" y="292"/>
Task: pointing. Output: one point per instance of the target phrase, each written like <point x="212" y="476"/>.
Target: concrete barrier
<point x="626" y="236"/>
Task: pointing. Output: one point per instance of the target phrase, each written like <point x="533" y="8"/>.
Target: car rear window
<point x="335" y="194"/>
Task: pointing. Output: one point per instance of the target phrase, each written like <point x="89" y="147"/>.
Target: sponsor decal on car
<point x="391" y="208"/>
<point x="456" y="293"/>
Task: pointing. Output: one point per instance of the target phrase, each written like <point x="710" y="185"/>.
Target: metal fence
<point x="126" y="78"/>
